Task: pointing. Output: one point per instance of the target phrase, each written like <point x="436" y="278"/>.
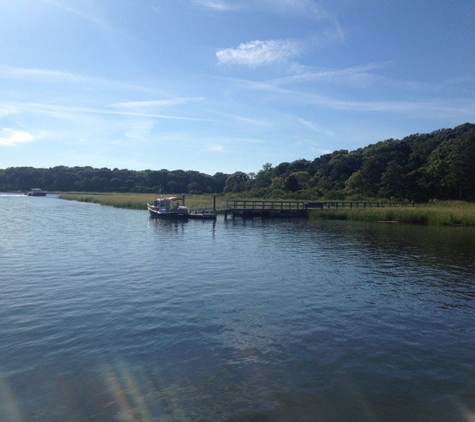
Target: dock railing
<point x="256" y="206"/>
<point x="247" y="208"/>
<point x="359" y="204"/>
<point x="249" y="204"/>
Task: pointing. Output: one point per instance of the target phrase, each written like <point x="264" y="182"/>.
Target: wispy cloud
<point x="251" y="121"/>
<point x="7" y="109"/>
<point x="219" y="5"/>
<point x="427" y="109"/>
<point x="315" y="127"/>
<point x="357" y="74"/>
<point x="97" y="21"/>
<point x="139" y="130"/>
<point x="365" y="75"/>
<point x="72" y="111"/>
<point x="308" y="8"/>
<point x="258" y="53"/>
<point x="157" y="103"/>
<point x="57" y="76"/>
<point x="10" y="137"/>
<point x="430" y="107"/>
<point x="43" y="75"/>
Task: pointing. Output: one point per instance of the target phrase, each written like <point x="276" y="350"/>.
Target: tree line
<point x="89" y="179"/>
<point x="419" y="167"/>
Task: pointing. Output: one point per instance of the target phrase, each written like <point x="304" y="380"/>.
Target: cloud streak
<point x="302" y="8"/>
<point x="315" y="127"/>
<point x="42" y="75"/>
<point x="72" y="111"/>
<point x="218" y="5"/>
<point x="86" y="16"/>
<point x="356" y="75"/>
<point x="10" y="137"/>
<point x="259" y="53"/>
<point x="430" y="107"/>
<point x="157" y="103"/>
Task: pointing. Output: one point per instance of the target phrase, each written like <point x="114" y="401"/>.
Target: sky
<point x="226" y="85"/>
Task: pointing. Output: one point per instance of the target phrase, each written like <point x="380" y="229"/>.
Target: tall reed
<point x="137" y="201"/>
<point x="438" y="213"/>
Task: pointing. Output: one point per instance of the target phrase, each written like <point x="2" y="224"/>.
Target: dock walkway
<point x="266" y="209"/>
<point x="297" y="209"/>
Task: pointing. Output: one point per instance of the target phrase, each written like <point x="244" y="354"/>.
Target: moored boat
<point x="168" y="207"/>
<point x="36" y="192"/>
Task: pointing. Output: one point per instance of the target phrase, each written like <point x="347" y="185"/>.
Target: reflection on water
<point x="108" y="314"/>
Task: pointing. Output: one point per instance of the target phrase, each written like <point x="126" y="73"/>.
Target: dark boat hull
<point x="168" y="215"/>
<point x="36" y="192"/>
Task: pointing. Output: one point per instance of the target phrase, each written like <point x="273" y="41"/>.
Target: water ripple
<point x="110" y="315"/>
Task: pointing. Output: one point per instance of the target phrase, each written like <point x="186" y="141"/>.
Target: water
<point x="108" y="315"/>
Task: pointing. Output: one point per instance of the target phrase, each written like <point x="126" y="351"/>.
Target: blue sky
<point x="226" y="85"/>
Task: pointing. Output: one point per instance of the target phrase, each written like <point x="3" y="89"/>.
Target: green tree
<point x="194" y="188"/>
<point x="237" y="182"/>
<point x="130" y="183"/>
<point x="115" y="184"/>
<point x="393" y="182"/>
<point x="263" y="177"/>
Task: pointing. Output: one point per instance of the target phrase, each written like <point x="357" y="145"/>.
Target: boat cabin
<point x="169" y="205"/>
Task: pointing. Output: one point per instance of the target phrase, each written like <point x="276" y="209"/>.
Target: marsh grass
<point x="436" y="213"/>
<point x="137" y="201"/>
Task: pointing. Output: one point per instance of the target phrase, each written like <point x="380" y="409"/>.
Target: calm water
<point x="108" y="315"/>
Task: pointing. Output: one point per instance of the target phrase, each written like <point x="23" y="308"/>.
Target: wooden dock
<point x="297" y="209"/>
<point x="266" y="209"/>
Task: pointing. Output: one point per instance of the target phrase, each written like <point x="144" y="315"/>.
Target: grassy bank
<point x="137" y="201"/>
<point x="437" y="213"/>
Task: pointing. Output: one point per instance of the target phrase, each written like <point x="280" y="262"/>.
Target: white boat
<point x="168" y="207"/>
<point x="36" y="192"/>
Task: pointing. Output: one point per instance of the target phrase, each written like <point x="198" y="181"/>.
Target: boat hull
<point x="172" y="215"/>
<point x="36" y="192"/>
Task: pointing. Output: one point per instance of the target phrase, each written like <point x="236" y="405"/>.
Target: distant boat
<point x="36" y="192"/>
<point x="169" y="208"/>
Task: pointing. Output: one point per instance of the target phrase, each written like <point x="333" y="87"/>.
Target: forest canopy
<point x="419" y="167"/>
